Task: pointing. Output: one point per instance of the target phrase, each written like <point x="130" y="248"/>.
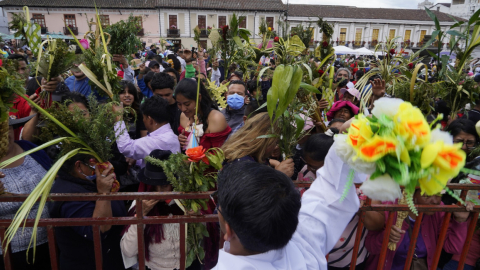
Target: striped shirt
<point x="341" y="255"/>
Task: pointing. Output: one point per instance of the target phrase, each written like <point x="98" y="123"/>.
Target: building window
<point x="270" y="21"/>
<point x="202" y="22"/>
<point x="343" y="35"/>
<point x="391" y="34"/>
<point x="222" y="21"/>
<point x="422" y="35"/>
<point x="375" y="34"/>
<point x="70" y="20"/>
<point x="408" y="34"/>
<point x="458" y="2"/>
<point x="39" y="19"/>
<point x="242" y="22"/>
<point x="358" y="36"/>
<point x="172" y="21"/>
<point x="104" y="20"/>
<point x="139" y="21"/>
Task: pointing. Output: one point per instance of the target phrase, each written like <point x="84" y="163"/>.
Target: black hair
<point x="359" y="74"/>
<point x="441" y="107"/>
<point x="252" y="109"/>
<point x="18" y="57"/>
<point x="137" y="55"/>
<point x="462" y="125"/>
<point x="238" y="82"/>
<point x="272" y="61"/>
<point x="158" y="58"/>
<point x="259" y="203"/>
<point x="132" y="90"/>
<point x="148" y="77"/>
<point x="157" y="108"/>
<point x="252" y="86"/>
<point x="318" y="145"/>
<point x="236" y="73"/>
<point x="74" y="97"/>
<point x="162" y="81"/>
<point x="336" y="120"/>
<point x="169" y="69"/>
<point x="188" y="89"/>
<point x="33" y="84"/>
<point x="176" y="62"/>
<point x="69" y="164"/>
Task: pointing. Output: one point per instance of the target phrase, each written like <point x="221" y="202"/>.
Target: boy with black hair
<point x="160" y="135"/>
<point x="265" y="226"/>
<point x="162" y="85"/>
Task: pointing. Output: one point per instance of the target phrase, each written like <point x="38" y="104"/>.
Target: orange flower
<point x="376" y="148"/>
<point x="196" y="154"/>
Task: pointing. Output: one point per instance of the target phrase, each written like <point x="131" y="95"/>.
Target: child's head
<point x="316" y="149"/>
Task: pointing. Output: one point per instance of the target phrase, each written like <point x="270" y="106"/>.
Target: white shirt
<point x="182" y="62"/>
<point x="321" y="222"/>
<point x="216" y="74"/>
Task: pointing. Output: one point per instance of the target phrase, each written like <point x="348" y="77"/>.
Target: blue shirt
<point x="79" y="86"/>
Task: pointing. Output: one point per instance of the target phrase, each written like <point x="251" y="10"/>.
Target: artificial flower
<point x="85" y="44"/>
<point x="439" y="135"/>
<point x="276" y="39"/>
<point x="376" y="148"/>
<point x="196" y="154"/>
<point x="410" y="65"/>
<point x="360" y="131"/>
<point x="324" y="44"/>
<point x="346" y="153"/>
<point x="411" y="125"/>
<point x="444" y="156"/>
<point x="433" y="184"/>
<point x="392" y="51"/>
<point x="386" y="106"/>
<point x="320" y="72"/>
<point x="382" y="188"/>
<point x="269" y="29"/>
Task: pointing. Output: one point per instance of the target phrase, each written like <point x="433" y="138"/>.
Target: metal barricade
<point x="141" y="221"/>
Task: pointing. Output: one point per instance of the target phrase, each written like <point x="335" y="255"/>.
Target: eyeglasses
<point x="89" y="166"/>
<point x="469" y="144"/>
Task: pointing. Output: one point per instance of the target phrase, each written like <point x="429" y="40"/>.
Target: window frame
<point x="39" y="17"/>
<point x="74" y="19"/>
<point x="218" y="19"/>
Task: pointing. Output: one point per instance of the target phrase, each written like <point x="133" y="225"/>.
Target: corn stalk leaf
<point x="38" y="148"/>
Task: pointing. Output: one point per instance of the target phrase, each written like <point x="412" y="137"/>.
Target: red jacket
<point x="22" y="110"/>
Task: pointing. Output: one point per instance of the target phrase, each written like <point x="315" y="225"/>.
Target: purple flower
<point x="85" y="44"/>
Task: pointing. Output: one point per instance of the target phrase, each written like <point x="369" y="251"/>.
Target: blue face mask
<point x="90" y="177"/>
<point x="235" y="101"/>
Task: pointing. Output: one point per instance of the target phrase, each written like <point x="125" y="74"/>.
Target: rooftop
<point x="349" y="12"/>
<point x="266" y="5"/>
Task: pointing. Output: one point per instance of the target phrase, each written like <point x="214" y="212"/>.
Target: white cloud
<point x="411" y="4"/>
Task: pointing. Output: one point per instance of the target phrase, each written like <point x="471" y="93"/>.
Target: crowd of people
<point x="264" y="221"/>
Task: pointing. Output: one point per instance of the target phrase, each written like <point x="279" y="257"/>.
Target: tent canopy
<point x="363" y="51"/>
<point x="343" y="50"/>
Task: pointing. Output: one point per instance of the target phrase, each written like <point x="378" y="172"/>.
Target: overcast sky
<point x="369" y="3"/>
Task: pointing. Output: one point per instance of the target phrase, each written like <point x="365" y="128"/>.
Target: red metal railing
<point x="140" y="221"/>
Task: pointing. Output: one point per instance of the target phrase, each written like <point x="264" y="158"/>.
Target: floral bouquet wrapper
<point x="397" y="147"/>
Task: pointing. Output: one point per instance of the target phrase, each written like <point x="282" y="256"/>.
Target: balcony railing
<point x="43" y="30"/>
<point x="140" y="32"/>
<point x="173" y="32"/>
<point x="204" y="33"/>
<point x="374" y="43"/>
<point x="74" y="30"/>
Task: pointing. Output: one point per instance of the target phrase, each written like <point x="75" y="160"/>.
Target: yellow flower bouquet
<point x="397" y="147"/>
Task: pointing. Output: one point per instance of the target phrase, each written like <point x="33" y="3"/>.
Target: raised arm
<point x="324" y="216"/>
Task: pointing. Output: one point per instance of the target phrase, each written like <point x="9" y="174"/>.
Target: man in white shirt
<point x="264" y="225"/>
<point x="179" y="54"/>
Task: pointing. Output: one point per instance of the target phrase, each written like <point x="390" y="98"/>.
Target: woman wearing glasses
<point x="463" y="131"/>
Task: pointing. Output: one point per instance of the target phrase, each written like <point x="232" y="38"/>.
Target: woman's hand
<point x="461" y="217"/>
<point x="148" y="206"/>
<point x="395" y="234"/>
<point x="104" y="179"/>
<point x="182" y="139"/>
<point x="286" y="166"/>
